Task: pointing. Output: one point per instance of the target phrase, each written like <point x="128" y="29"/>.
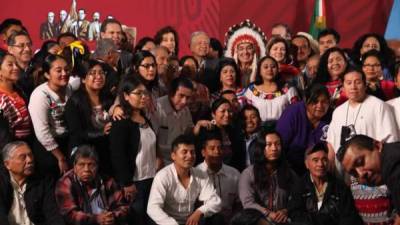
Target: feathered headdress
<point x="243" y="32"/>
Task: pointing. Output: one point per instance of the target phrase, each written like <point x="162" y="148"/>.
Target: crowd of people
<point x="284" y="130"/>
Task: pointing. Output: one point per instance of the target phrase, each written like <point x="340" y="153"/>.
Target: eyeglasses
<point x="96" y="72"/>
<point x="147" y="66"/>
<point x="141" y="93"/>
<point x="23" y="45"/>
<point x="372" y="65"/>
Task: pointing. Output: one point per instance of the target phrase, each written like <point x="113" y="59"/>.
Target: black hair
<point x="48" y="61"/>
<point x="186" y="57"/>
<point x="329" y="31"/>
<point x="3" y="55"/>
<point x="165" y="30"/>
<point x="217" y="46"/>
<point x="386" y="52"/>
<point x="351" y="69"/>
<point x="322" y="72"/>
<point x="258" y="79"/>
<point x="75" y="59"/>
<point x="109" y="21"/>
<point x="7" y="23"/>
<point x="186" y="139"/>
<point x="320" y="146"/>
<point x="138" y="57"/>
<point x="242" y="116"/>
<point x="284" y="25"/>
<point x="85" y="151"/>
<point x="208" y="135"/>
<point x="261" y="174"/>
<point x="227" y="92"/>
<point x="127" y="85"/>
<point x="288" y="59"/>
<point x="142" y="42"/>
<point x="179" y="82"/>
<point x="11" y="38"/>
<point x="359" y="141"/>
<point x="66" y="34"/>
<point x="313" y="92"/>
<point x="48" y="45"/>
<point x="373" y="53"/>
<point x="228" y="62"/>
<point x="217" y="103"/>
<point x="82" y="97"/>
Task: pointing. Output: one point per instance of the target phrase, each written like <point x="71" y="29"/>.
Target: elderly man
<point x="49" y="28"/>
<point x="200" y="46"/>
<point x="84" y="197"/>
<point x="373" y="163"/>
<point x="24" y="197"/>
<point x="320" y="198"/>
<point x="107" y="52"/>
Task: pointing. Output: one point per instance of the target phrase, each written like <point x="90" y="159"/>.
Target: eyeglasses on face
<point x="148" y="66"/>
<point x="141" y="93"/>
<point x="23" y="45"/>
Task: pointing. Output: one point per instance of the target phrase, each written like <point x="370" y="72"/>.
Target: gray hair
<point x="159" y="47"/>
<point x="9" y="149"/>
<point x="103" y="47"/>
<point x="84" y="151"/>
<point x="197" y="33"/>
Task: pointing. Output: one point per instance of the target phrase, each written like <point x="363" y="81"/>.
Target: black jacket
<point x="39" y="200"/>
<point x="390" y="159"/>
<point x="124" y="146"/>
<point x="337" y="207"/>
<point x="78" y="112"/>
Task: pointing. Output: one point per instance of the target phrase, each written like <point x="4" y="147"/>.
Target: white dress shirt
<point x="171" y="204"/>
<point x="226" y="182"/>
<point x="18" y="214"/>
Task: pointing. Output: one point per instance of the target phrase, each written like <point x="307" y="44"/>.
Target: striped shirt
<point x="16" y="112"/>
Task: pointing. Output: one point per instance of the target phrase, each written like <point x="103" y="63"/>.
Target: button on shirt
<point x="171" y="204"/>
<point x="226" y="182"/>
<point x="168" y="125"/>
<point x="18" y="214"/>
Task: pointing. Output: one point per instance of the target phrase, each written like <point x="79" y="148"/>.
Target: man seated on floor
<point x="25" y="198"/>
<point x="320" y="198"/>
<point x="178" y="187"/>
<point x="224" y="178"/>
<point x="84" y="197"/>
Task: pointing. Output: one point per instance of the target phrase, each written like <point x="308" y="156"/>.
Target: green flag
<point x="318" y="19"/>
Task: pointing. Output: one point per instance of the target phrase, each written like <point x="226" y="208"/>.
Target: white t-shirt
<point x="395" y="105"/>
<point x="170" y="203"/>
<point x="375" y="119"/>
<point x="146" y="157"/>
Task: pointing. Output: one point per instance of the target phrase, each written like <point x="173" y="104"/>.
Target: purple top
<point x="297" y="134"/>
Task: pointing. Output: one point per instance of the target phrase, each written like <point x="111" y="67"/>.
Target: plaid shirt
<point x="73" y="203"/>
